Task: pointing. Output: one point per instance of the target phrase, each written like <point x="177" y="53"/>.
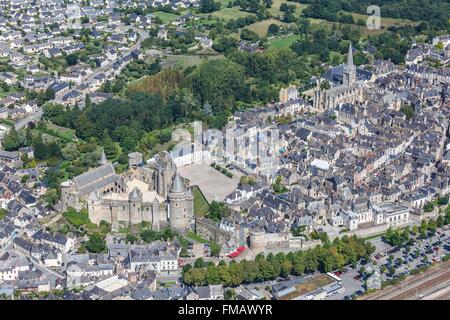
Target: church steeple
<point x="350" y="56"/>
<point x="103" y="159"/>
<point x="349" y="76"/>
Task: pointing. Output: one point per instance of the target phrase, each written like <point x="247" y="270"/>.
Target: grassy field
<point x="188" y="61"/>
<point x="201" y="206"/>
<point x="230" y="13"/>
<point x="364" y="30"/>
<point x="275" y="10"/>
<point x="283" y="41"/>
<point x="165" y="16"/>
<point x="261" y="27"/>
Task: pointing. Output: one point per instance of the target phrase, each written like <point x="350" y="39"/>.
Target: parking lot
<point x="350" y="285"/>
<point x="422" y="253"/>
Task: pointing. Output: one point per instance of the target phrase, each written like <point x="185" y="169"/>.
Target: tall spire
<point x="349" y="76"/>
<point x="178" y="183"/>
<point x="103" y="159"/>
<point x="350" y="56"/>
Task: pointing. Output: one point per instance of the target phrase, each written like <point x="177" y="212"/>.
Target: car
<point x="348" y="298"/>
<point x="359" y="293"/>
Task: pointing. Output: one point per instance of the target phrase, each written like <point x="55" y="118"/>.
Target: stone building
<point x="351" y="90"/>
<point x="153" y="193"/>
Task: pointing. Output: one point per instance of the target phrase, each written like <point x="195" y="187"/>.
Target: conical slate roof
<point x="135" y="194"/>
<point x="350" y="56"/>
<point x="103" y="159"/>
<point x="178" y="183"/>
<point x="93" y="196"/>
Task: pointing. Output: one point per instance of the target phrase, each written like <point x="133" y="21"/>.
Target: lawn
<point x="193" y="236"/>
<point x="230" y="13"/>
<point x="201" y="206"/>
<point x="283" y="41"/>
<point x="165" y="16"/>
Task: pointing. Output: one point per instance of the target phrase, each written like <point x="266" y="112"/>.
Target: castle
<point x="153" y="193"/>
<point x="350" y="91"/>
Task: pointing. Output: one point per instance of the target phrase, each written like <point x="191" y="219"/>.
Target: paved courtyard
<point x="213" y="184"/>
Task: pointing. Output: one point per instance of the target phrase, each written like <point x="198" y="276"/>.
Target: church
<point x="350" y="91"/>
<point x="153" y="193"/>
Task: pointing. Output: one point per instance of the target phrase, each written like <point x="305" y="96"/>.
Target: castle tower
<point x="164" y="172"/>
<point x="349" y="76"/>
<point x="180" y="205"/>
<point x="94" y="209"/>
<point x="135" y="201"/>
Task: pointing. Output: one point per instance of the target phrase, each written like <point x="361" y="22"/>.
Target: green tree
<point x="199" y="263"/>
<point x="40" y="151"/>
<point x="72" y="59"/>
<point x="50" y="197"/>
<point x="11" y="141"/>
<point x="215" y="249"/>
<point x="96" y="243"/>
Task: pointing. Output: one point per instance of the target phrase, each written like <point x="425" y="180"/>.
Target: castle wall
<point x="210" y="230"/>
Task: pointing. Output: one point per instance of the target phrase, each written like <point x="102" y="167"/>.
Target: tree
<point x="11" y="141"/>
<point x="325" y="85"/>
<point x="215" y="249"/>
<point x="130" y="238"/>
<point x="40" y="150"/>
<point x="273" y="29"/>
<point x="50" y="197"/>
<point x="440" y="221"/>
<point x="218" y="210"/>
<point x="407" y="110"/>
<point x="184" y="252"/>
<point x="72" y="59"/>
<point x="208" y="6"/>
<point x="3" y="213"/>
<point x="229" y="294"/>
<point x="96" y="243"/>
<point x="199" y="263"/>
<point x="443" y="200"/>
<point x="49" y="94"/>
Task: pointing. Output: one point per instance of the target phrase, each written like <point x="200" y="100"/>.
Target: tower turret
<point x="180" y="204"/>
<point x="135" y="203"/>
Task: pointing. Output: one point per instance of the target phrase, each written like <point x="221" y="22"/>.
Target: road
<point x="29" y="118"/>
<point x="142" y="36"/>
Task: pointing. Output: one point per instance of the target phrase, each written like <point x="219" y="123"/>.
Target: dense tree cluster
<point x="208" y="6"/>
<point x="325" y="258"/>
<point x="436" y="12"/>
